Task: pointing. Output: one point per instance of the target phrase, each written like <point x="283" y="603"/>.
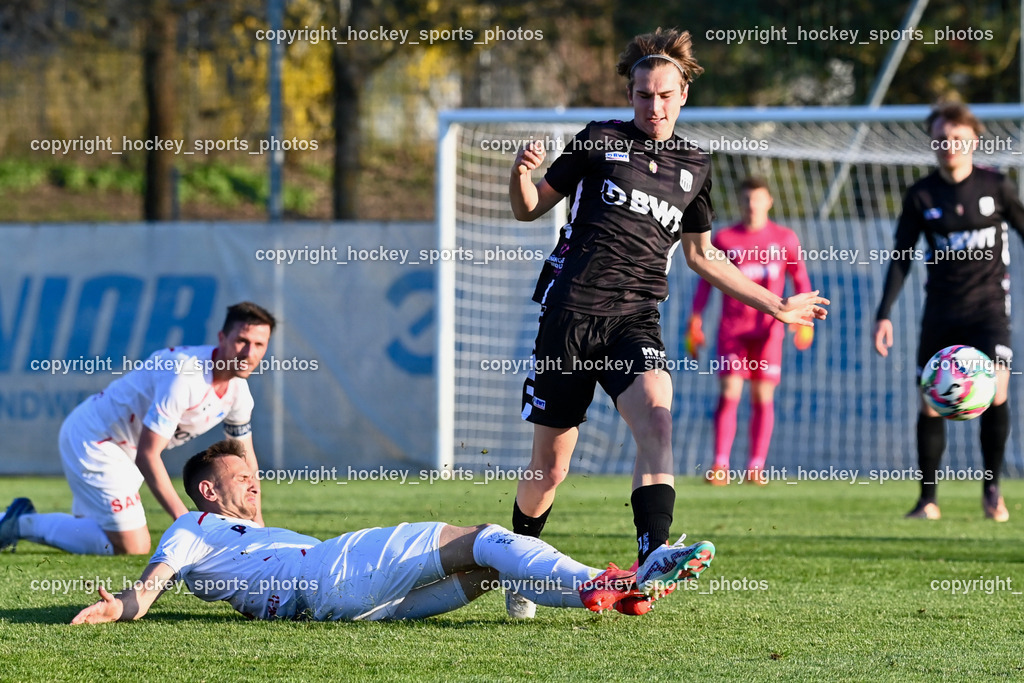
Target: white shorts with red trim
<point x="104" y="480"/>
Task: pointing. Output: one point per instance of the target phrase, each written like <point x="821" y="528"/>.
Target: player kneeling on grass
<point x="410" y="571"/>
<point x="115" y="440"/>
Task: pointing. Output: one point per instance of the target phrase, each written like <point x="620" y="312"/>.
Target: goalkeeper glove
<point x="694" y="336"/>
<point x="803" y="336"/>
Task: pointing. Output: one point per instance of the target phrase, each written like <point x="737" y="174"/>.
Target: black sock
<point x="995" y="428"/>
<point x="931" y="442"/>
<point x="652" y="515"/>
<point x="525" y="525"/>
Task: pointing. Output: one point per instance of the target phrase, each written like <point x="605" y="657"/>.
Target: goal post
<point x="837" y="175"/>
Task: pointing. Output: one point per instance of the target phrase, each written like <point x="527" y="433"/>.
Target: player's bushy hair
<point x="956" y="113"/>
<point x="670" y="42"/>
<point x="247" y="313"/>
<point x="201" y="465"/>
<point x="755" y="182"/>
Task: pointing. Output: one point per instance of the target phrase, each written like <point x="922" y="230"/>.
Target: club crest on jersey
<point x="685" y="180"/>
<point x="653" y="167"/>
<point x="987" y="206"/>
<point x="933" y="214"/>
<point x="616" y="156"/>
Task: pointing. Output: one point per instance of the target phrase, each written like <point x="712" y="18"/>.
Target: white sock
<point x="532" y="568"/>
<point x="78" y="535"/>
<point x="435" y="598"/>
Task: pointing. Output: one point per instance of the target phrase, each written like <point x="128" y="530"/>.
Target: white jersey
<point x="255" y="569"/>
<point x="173" y="395"/>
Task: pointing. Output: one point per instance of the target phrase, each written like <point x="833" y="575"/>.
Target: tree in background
<point x="191" y="68"/>
<point x="160" y="23"/>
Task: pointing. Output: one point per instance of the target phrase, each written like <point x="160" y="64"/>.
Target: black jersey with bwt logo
<point x="630" y="199"/>
<point x="965" y="227"/>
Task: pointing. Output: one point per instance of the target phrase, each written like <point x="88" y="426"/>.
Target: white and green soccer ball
<point x="959" y="382"/>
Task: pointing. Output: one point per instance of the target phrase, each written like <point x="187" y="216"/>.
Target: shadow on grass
<point x="64" y="615"/>
<point x="42" y="615"/>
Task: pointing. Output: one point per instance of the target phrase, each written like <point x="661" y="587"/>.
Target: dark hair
<point x="755" y="182"/>
<point x="201" y="465"/>
<point x="956" y="113"/>
<point x="670" y="42"/>
<point x="247" y="313"/>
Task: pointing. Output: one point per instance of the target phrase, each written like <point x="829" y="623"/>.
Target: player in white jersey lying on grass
<point x="410" y="571"/>
<point x="115" y="439"/>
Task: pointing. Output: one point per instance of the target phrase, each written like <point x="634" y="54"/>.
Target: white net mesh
<point x="837" y="183"/>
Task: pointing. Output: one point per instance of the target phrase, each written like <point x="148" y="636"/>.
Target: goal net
<point x="837" y="176"/>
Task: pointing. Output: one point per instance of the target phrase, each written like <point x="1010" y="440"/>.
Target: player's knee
<point x="732" y="394"/>
<point x="138" y="548"/>
<point x="546" y="477"/>
<point x="762" y="393"/>
<point x="130" y="544"/>
<point x="476" y="530"/>
<point x="732" y="387"/>
<point x="476" y="582"/>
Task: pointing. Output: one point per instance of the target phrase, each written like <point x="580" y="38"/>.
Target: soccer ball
<point x="959" y="382"/>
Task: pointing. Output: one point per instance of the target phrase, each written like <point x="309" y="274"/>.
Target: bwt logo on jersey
<point x="642" y="203"/>
<point x="984" y="238"/>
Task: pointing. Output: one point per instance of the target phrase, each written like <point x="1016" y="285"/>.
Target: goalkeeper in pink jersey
<point x="750" y="342"/>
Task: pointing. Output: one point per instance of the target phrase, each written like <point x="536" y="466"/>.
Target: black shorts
<point x="575" y="352"/>
<point x="990" y="334"/>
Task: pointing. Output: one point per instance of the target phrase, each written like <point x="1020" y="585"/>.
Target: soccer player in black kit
<point x="636" y="192"/>
<point x="963" y="211"/>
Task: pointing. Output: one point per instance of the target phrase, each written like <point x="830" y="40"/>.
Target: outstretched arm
<point x="132" y="603"/>
<point x="712" y="265"/>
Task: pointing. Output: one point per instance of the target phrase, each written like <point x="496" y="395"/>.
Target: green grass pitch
<point x="813" y="581"/>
